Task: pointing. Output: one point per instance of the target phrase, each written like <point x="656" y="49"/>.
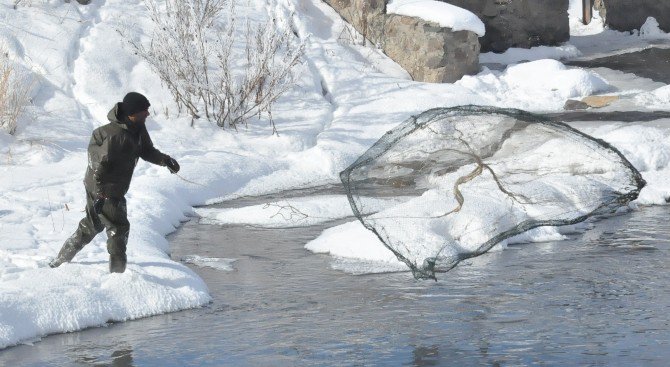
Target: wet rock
<point x="572" y="104"/>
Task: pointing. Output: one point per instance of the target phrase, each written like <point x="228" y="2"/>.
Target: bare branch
<point x="192" y="51"/>
<point x="15" y="89"/>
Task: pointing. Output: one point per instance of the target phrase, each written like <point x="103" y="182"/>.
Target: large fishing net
<point x="467" y="178"/>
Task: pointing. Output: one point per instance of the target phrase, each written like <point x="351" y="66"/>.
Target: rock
<point x="429" y="52"/>
<point x="440" y="55"/>
<point x="599" y="101"/>
<point x="519" y="23"/>
<point x="571" y="105"/>
<point x="627" y="15"/>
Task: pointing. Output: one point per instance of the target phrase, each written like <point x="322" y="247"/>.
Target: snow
<point x="515" y="55"/>
<point x="346" y="98"/>
<point x="658" y="99"/>
<point x="446" y="15"/>
<point x="549" y="82"/>
<point x="299" y="212"/>
<point x="647" y="147"/>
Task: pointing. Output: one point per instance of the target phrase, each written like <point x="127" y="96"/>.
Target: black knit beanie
<point x="134" y="102"/>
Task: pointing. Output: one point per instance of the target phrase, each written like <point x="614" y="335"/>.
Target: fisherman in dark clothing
<point x="112" y="155"/>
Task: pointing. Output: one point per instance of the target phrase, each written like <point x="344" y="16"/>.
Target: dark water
<point x="652" y="63"/>
<point x="622" y="116"/>
<point x="601" y="298"/>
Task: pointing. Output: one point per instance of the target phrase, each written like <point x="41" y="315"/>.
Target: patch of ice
<point x="360" y="267"/>
<point x="217" y="263"/>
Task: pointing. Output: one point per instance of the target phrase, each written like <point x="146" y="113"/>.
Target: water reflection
<point x="96" y="355"/>
<point x="426" y="356"/>
<point x="122" y="358"/>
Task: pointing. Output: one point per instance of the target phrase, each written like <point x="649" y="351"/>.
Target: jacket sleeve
<point x="149" y="153"/>
<point x="98" y="160"/>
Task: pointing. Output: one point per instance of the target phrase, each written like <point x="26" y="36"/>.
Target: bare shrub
<point x="20" y="2"/>
<point x="208" y="70"/>
<point x="29" y="3"/>
<point x="15" y="88"/>
<point x="241" y="94"/>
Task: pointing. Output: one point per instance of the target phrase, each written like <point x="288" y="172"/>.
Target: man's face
<point x="139" y="117"/>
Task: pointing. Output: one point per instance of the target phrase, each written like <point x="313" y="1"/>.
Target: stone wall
<point x="627" y="15"/>
<point x="519" y="23"/>
<point x="428" y="52"/>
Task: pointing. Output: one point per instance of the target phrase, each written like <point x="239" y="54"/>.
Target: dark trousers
<point x="114" y="218"/>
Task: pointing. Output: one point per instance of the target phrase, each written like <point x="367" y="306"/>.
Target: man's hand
<point x="172" y="164"/>
<point x="98" y="203"/>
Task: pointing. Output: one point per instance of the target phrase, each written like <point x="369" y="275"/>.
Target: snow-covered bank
<point x="647" y="147"/>
<point x="297" y="212"/>
<point x="347" y="97"/>
<point x="537" y="85"/>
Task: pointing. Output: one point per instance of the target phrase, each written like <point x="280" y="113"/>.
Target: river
<point x="599" y="298"/>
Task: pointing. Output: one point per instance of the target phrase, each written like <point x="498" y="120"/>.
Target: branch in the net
<point x="288" y="212"/>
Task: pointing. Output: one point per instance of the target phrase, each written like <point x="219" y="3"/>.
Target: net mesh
<point x="466" y="178"/>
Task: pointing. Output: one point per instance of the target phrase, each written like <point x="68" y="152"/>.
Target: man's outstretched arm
<point x="152" y="155"/>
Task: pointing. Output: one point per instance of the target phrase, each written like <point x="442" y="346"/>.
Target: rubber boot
<point x="70" y="248"/>
<point x="117" y="263"/>
<point x="54" y="263"/>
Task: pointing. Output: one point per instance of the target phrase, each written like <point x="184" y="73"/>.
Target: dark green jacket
<point x="113" y="153"/>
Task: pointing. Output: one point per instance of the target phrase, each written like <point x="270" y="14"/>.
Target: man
<point x="112" y="155"/>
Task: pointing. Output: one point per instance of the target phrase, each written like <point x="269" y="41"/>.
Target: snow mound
<point x="549" y="82"/>
<point x="446" y="15"/>
<point x="656" y="99"/>
<point x="651" y="29"/>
